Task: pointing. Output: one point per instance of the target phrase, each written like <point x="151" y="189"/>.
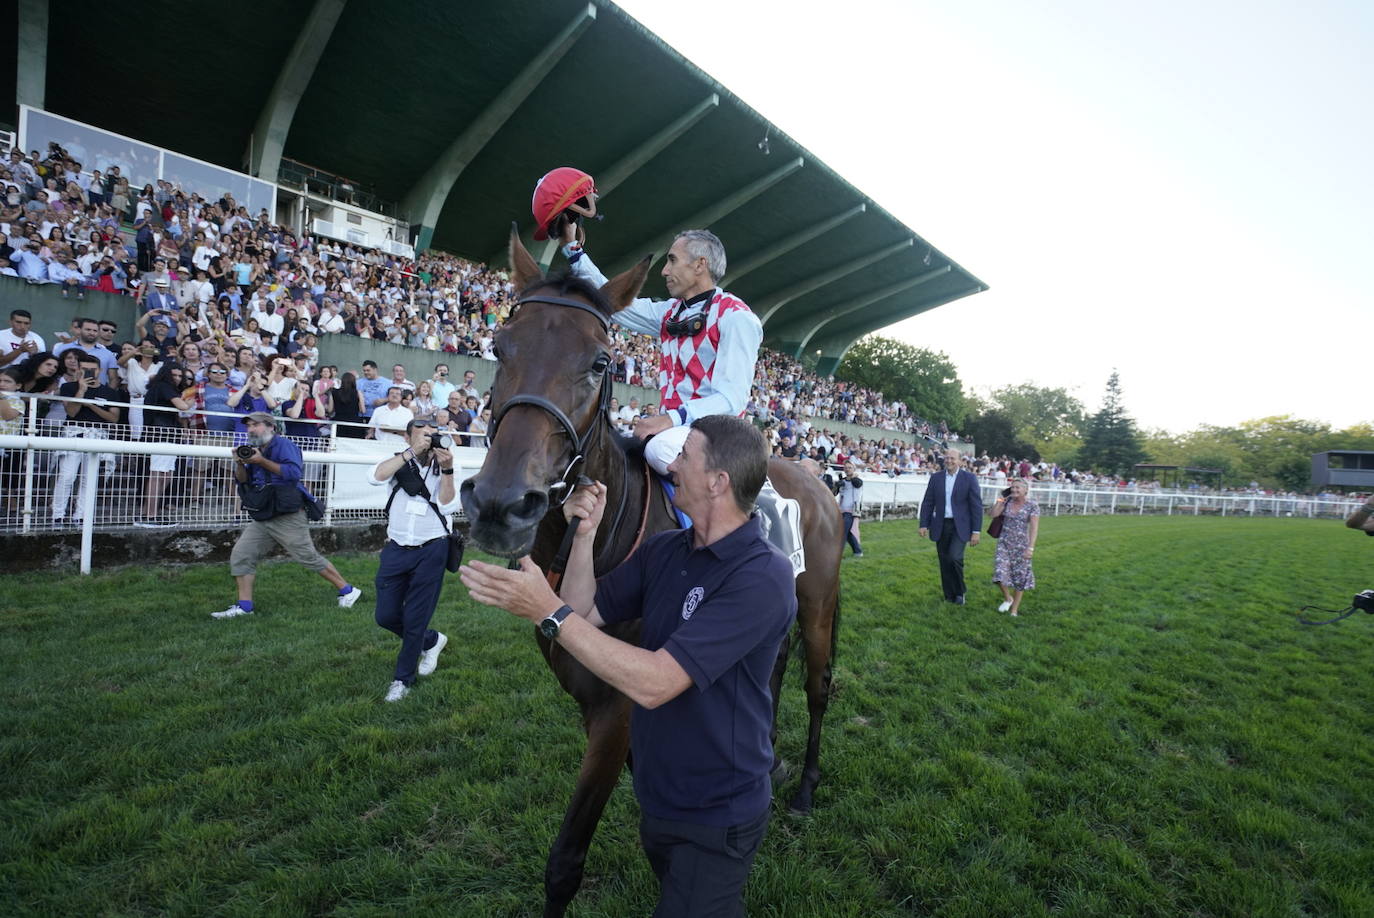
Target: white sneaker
<point x="233" y="611"/>
<point x="1004" y="606"/>
<point x="347" y="600"/>
<point x="429" y="659"/>
<point x="397" y="691"/>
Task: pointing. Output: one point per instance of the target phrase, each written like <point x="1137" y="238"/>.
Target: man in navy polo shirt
<point x="716" y="601"/>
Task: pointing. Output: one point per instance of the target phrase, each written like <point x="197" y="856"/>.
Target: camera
<point x="1364" y="601"/>
<point x="1006" y="492"/>
<point x="245" y="452"/>
<point x="440" y="441"/>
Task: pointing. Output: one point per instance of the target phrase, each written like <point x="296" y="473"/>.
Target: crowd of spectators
<point x="209" y="272"/>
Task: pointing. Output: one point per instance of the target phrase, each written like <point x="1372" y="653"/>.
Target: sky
<point x="1181" y="191"/>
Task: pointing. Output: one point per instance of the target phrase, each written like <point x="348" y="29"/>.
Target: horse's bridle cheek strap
<point x="579" y="441"/>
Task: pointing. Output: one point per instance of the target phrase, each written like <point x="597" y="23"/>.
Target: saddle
<point x="779" y="518"/>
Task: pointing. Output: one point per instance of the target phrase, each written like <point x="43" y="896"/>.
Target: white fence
<point x="60" y="475"/>
<point x="882" y="494"/>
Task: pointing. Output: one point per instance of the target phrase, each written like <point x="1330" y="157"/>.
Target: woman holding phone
<point x="1012" y="569"/>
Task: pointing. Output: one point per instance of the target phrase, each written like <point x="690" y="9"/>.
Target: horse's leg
<point x="775" y="686"/>
<point x="818" y="643"/>
<point x="608" y="743"/>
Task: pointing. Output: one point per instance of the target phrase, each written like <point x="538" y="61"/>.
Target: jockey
<point x="709" y="338"/>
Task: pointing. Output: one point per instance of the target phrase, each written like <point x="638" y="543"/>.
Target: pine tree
<point x="1111" y="444"/>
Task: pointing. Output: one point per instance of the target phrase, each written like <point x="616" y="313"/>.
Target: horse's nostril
<point x="531" y="506"/>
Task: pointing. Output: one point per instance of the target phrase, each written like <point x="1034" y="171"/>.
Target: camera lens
<point x="440" y="441"/>
<point x="244" y="452"/>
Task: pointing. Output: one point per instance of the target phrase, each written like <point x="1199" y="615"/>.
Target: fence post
<point x="30" y="457"/>
<point x="330" y="477"/>
<point x="90" y="469"/>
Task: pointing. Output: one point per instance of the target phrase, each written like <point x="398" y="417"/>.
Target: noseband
<point x="579" y="441"/>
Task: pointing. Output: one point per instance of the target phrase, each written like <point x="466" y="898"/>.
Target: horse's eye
<point x="601" y="363"/>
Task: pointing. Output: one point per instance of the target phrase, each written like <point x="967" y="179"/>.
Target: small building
<point x="1344" y="468"/>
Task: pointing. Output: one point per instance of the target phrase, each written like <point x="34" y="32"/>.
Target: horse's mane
<point x="564" y="283"/>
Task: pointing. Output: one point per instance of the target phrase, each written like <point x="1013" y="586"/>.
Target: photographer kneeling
<point x="268" y="472"/>
<point x="411" y="573"/>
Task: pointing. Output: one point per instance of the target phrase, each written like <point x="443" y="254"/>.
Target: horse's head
<point x="553" y="355"/>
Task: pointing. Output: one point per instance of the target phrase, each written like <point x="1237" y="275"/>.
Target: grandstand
<point x="448" y="150"/>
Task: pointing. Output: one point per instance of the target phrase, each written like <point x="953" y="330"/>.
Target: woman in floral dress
<point x="1011" y="568"/>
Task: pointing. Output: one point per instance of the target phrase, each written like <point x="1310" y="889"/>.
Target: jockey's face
<point x="684" y="275"/>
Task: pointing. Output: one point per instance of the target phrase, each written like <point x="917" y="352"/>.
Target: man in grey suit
<point x="952" y="515"/>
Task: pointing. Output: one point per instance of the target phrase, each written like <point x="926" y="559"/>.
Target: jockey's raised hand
<point x="587" y="503"/>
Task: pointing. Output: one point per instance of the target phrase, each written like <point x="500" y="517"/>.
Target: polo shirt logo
<point x="689" y="605"/>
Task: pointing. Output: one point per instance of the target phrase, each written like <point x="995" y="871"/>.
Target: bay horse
<point x="549" y="429"/>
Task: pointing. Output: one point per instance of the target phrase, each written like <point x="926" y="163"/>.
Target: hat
<point x="160" y="282"/>
<point x="565" y="188"/>
<point x="262" y="417"/>
<point x="182" y="269"/>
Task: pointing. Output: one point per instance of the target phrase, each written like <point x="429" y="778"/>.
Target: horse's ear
<point x="621" y="290"/>
<point x="522" y="263"/>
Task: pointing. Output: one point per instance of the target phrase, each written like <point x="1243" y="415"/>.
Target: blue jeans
<point x="408" y="585"/>
<point x="849" y="535"/>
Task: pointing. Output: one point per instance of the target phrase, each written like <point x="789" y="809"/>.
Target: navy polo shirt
<point x="722" y="612"/>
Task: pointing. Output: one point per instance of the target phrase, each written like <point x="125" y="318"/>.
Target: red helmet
<point x="565" y="188"/>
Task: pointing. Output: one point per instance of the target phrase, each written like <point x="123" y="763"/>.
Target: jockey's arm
<point x="741" y="333"/>
<point x="643" y="316"/>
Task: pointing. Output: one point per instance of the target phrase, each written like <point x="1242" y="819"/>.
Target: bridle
<point x="579" y="441"/>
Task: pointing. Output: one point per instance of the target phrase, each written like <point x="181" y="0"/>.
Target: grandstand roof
<point x="396" y="83"/>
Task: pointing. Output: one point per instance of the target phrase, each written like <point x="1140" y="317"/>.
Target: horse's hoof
<point x="800" y="804"/>
<point x="780" y="772"/>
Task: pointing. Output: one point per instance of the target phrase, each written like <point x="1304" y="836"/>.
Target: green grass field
<point x="1155" y="736"/>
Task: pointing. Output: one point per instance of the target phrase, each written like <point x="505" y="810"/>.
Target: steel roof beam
<point x="425" y="200"/>
<point x="704" y="218"/>
<point x="768" y="306"/>
<point x="834" y="346"/>
<point x="608" y="179"/>
<point x="274" y="122"/>
<point x="781" y="248"/>
<point x="804" y="327"/>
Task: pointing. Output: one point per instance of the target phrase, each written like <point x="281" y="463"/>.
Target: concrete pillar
<point x="31" y="73"/>
<point x="274" y="122"/>
<point x="426" y="199"/>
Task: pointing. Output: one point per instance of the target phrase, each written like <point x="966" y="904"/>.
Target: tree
<point x="994" y="432"/>
<point x="1050" y="420"/>
<point x="925" y="380"/>
<point x="1111" y="444"/>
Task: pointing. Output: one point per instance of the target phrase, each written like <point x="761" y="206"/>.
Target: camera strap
<point x="1339" y="613"/>
<point x="422" y="491"/>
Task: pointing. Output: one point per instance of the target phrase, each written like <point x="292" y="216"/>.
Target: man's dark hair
<point x="736" y="447"/>
<point x="21" y="313"/>
<point x="370" y="363"/>
<point x="391" y="389"/>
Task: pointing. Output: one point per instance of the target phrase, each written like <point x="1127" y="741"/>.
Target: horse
<point x="550" y="429"/>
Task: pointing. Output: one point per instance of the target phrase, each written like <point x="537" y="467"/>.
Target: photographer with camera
<point x="850" y="494"/>
<point x="268" y="472"/>
<point x="411" y="574"/>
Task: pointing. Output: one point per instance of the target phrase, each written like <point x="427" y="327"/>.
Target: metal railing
<point x="881" y="492"/>
<point x="59" y="475"/>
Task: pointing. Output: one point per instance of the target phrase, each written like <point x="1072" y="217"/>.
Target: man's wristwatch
<point x="550" y="626"/>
